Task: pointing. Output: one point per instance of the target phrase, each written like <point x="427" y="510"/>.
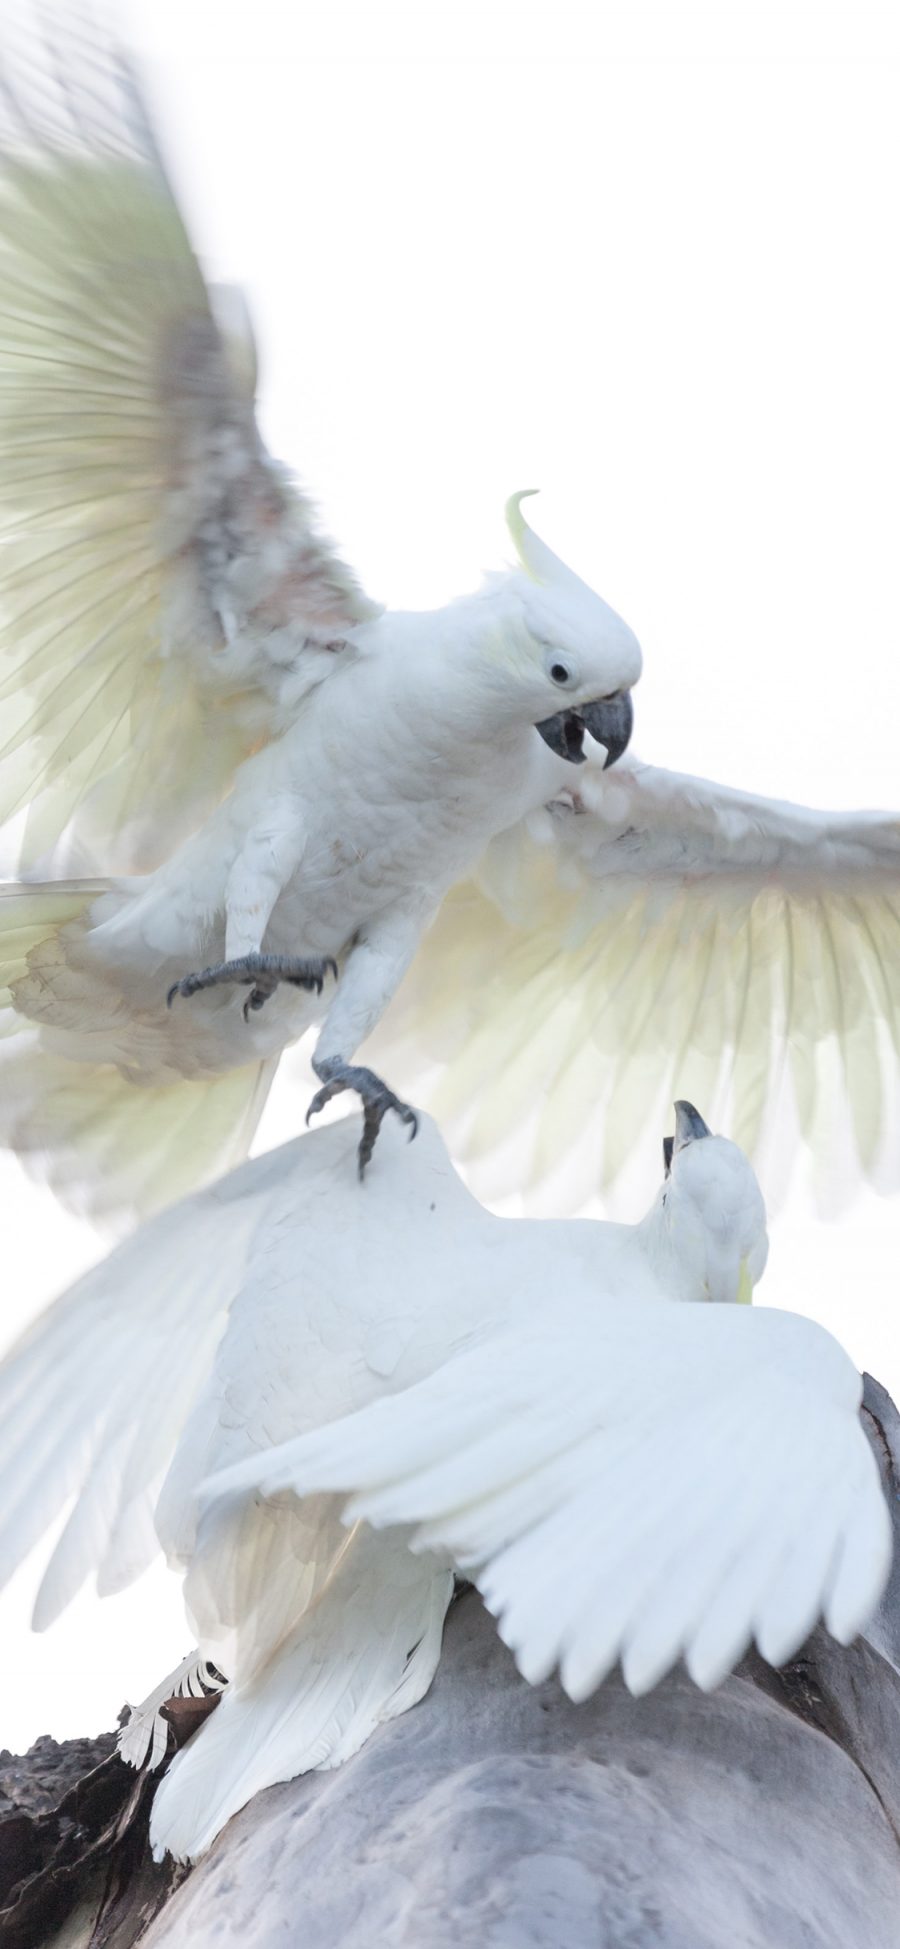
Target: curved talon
<point x="188" y="985"/>
<point x="255" y="999"/>
<point x="376" y="1099"/>
<point x="262" y="973"/>
<point x="322" y="1097"/>
<point x="373" y="1118"/>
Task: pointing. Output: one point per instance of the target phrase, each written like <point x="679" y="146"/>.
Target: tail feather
<point x="364" y="1652"/>
<point x="111" y="1148"/>
<point x="144" y="1737"/>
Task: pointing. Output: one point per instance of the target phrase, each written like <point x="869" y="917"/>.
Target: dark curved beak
<point x="689" y="1125"/>
<point x="565" y="735"/>
<point x="610" y="721"/>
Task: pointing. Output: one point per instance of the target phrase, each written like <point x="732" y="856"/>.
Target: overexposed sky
<point x="643" y="257"/>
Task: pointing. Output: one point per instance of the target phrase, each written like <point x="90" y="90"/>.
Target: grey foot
<point x="377" y="1099"/>
<point x="261" y="973"/>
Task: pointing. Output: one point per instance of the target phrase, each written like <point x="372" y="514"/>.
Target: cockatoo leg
<point x="337" y="1075"/>
<point x="261" y="973"/>
<point x="370" y="976"/>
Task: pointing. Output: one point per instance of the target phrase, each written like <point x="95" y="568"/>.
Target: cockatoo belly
<point x="98" y="987"/>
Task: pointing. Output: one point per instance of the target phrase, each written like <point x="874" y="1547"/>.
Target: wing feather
<point x="93" y="1399"/>
<point x="165" y="600"/>
<point x="674" y="938"/>
<point x="645" y="1483"/>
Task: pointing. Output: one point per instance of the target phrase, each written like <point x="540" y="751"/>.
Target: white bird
<point x="201" y="698"/>
<point x="626" y="1469"/>
<point x="312" y="776"/>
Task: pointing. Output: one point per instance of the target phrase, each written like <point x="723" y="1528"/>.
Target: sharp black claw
<point x="315" y="978"/>
<point x="255" y="999"/>
<point x="262" y="973"/>
<point x="377" y="1100"/>
<point x="318" y="1103"/>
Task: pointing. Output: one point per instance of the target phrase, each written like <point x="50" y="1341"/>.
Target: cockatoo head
<point x="576" y="657"/>
<point x="715" y="1215"/>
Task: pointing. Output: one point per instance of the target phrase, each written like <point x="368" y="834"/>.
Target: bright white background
<point x="646" y="259"/>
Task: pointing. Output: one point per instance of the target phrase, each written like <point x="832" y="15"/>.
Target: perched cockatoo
<point x="200" y="698"/>
<point x="626" y="1469"/>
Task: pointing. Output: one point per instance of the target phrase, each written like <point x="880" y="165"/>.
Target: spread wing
<point x="641" y="1482"/>
<point x="165" y="601"/>
<point x="231" y="1320"/>
<point x="657" y="937"/>
<point x="94" y="1397"/>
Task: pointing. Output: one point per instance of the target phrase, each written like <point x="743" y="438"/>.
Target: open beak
<point x="565" y="735"/>
<point x="610" y="721"/>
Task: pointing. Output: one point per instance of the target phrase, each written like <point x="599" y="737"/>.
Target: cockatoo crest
<point x="539" y="561"/>
<point x="565" y="615"/>
<point x="175" y="636"/>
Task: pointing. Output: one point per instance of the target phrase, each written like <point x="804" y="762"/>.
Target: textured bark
<point x="75" y="1864"/>
<point x="765" y="1816"/>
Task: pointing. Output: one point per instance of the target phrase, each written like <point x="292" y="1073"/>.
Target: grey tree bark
<point x="764" y="1816"/>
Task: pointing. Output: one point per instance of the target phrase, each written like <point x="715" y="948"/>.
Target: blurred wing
<point x="648" y="1482"/>
<point x="94" y="1397"/>
<point x="664" y="937"/>
<point x="165" y="602"/>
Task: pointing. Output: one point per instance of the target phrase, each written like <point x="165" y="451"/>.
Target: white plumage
<point x="626" y="1469"/>
<point x="143" y="1739"/>
<point x="199" y="696"/>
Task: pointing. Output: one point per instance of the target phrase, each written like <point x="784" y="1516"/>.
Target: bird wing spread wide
<point x="241" y="1316"/>
<point x="94" y="1396"/>
<point x="663" y="937"/>
<point x="165" y="601"/>
<point x="642" y="1482"/>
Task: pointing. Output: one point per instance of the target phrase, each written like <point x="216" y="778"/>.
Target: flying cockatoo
<point x="575" y="1414"/>
<point x="290" y="785"/>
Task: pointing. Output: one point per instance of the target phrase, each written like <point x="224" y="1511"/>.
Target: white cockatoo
<point x="203" y="686"/>
<point x="626" y="1469"/>
<point x="200" y="699"/>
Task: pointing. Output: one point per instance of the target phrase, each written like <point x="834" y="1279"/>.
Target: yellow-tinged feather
<point x="520" y="533"/>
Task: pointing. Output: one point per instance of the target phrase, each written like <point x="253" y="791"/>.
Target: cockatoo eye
<point x="559" y="673"/>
